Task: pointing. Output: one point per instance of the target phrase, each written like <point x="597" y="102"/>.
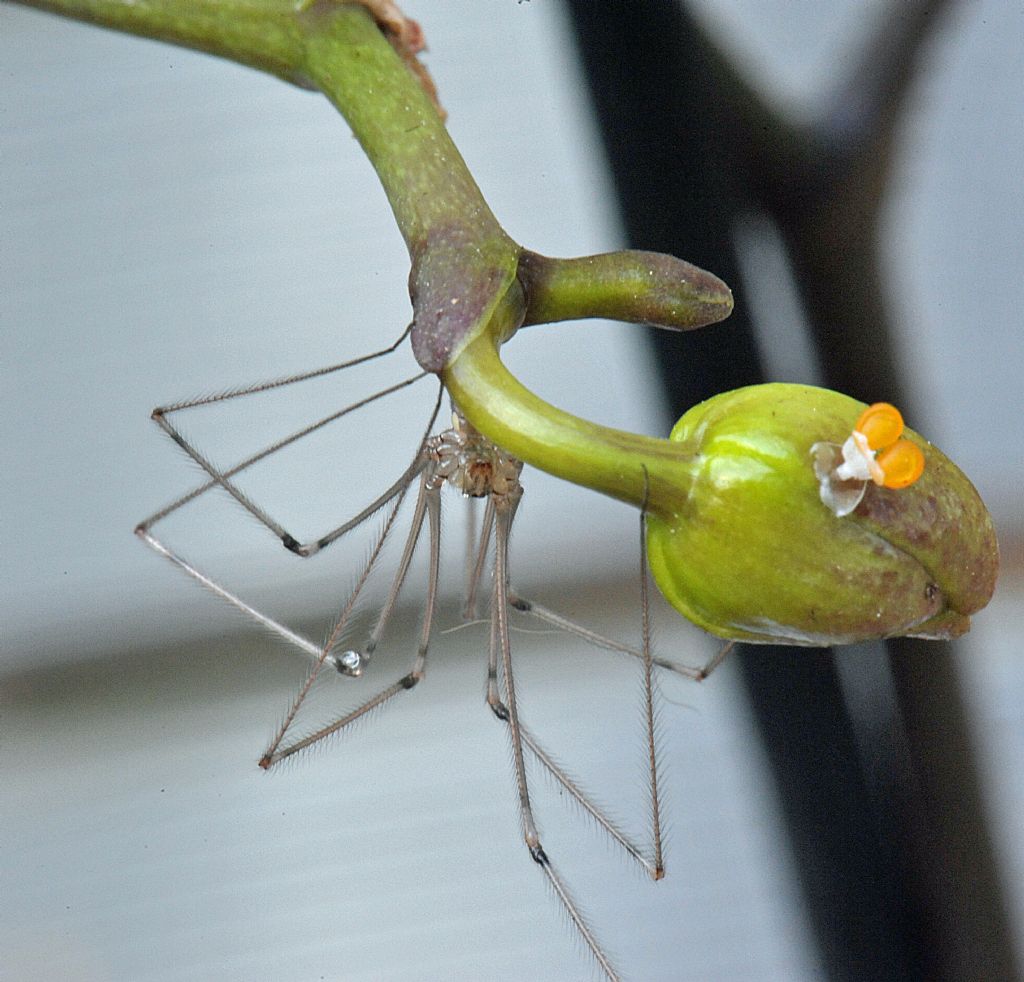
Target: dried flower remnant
<point x="874" y="451"/>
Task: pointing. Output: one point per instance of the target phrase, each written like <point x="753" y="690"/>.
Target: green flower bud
<point x="759" y="551"/>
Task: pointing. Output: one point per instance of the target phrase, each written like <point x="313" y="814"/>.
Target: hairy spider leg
<point x="498" y="521"/>
<point x="548" y="616"/>
<point x="494" y="700"/>
<point x="476" y="568"/>
<point x="222" y="479"/>
<point x="505" y="708"/>
<point x="161" y="412"/>
<point x="427" y="505"/>
<point x="348" y="663"/>
<point x="652" y="754"/>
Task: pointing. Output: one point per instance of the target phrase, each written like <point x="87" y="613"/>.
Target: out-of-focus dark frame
<point x="887" y="826"/>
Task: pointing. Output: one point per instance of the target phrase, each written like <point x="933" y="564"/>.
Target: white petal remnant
<point x="839" y="494"/>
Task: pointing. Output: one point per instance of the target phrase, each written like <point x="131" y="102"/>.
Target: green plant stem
<point x="263" y="34"/>
<point x="622" y="465"/>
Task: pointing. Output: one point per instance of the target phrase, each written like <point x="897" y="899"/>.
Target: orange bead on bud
<point x="902" y="464"/>
<point x="897" y="463"/>
<point x="881" y="423"/>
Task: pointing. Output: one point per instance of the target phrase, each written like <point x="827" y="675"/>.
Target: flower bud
<point x="761" y="548"/>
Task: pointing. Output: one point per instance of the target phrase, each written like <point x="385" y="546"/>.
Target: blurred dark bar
<point x="886" y="823"/>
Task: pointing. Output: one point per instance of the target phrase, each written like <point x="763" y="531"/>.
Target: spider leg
<point x="507" y="710"/>
<point x="548" y="616"/>
<point x="427" y="505"/>
<point x="222" y="479"/>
